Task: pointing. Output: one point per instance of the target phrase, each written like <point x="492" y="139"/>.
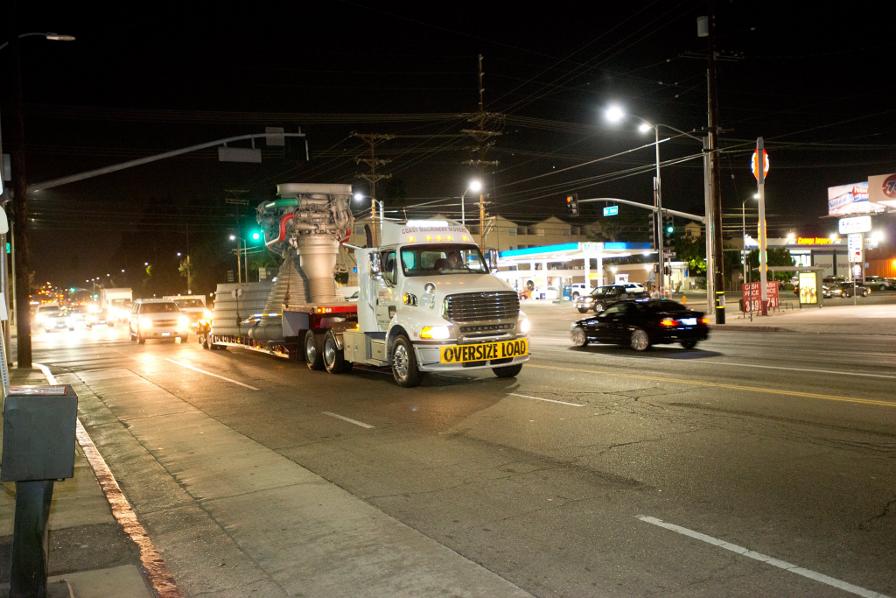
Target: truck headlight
<point x="207" y="315"/>
<point x="436" y="333"/>
<point x="145" y="323"/>
<point x="183" y="323"/>
<point x="524" y="325"/>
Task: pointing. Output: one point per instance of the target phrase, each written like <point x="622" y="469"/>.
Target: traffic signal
<point x="572" y="204"/>
<point x="668" y="229"/>
<point x="652" y="228"/>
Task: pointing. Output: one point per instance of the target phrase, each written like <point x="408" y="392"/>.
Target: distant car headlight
<point x="207" y="315"/>
<point x="145" y="323"/>
<point x="93" y="308"/>
<point x="183" y="323"/>
<point x="525" y="325"/>
<point x="436" y="333"/>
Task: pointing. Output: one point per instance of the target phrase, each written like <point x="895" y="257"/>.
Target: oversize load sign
<point x="484" y="351"/>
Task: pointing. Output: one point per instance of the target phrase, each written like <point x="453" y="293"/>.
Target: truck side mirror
<point x="4" y="223"/>
<point x="376" y="265"/>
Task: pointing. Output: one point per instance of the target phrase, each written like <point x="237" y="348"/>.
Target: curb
<point x="746" y="328"/>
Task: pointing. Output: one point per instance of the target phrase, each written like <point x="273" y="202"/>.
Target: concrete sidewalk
<point x="841" y="319"/>
<point x="230" y="516"/>
<point x="87" y="548"/>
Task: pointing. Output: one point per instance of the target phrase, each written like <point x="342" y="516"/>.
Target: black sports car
<point x="640" y="324"/>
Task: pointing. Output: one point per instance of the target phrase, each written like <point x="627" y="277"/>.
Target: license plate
<point x="484" y="351"/>
<point x="166" y="334"/>
<point x="689" y="321"/>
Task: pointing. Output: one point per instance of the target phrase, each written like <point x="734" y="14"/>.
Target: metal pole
<point x="658" y="197"/>
<point x="708" y="228"/>
<point x="718" y="264"/>
<point x="239" y="262"/>
<point x="763" y="238"/>
<point x="20" y="205"/>
<point x="28" y="570"/>
<point x="463" y="213"/>
<point x="743" y="224"/>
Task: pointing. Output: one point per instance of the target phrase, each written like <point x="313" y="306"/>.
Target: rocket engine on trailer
<point x="305" y="227"/>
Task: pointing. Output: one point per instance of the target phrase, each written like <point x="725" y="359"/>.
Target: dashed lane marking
<point x="207" y="373"/>
<point x="764" y="558"/>
<point x="348" y="419"/>
<point x="513" y="394"/>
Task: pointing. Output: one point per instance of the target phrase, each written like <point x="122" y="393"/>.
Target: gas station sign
<point x="856" y="224"/>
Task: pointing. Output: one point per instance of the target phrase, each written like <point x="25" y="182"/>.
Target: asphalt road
<point x="759" y="463"/>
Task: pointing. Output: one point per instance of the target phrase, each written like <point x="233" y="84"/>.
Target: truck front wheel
<point x="508" y="371"/>
<point x="313" y="350"/>
<point x="334" y="358"/>
<point x="404" y="363"/>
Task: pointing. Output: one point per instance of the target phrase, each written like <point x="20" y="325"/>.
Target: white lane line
<point x="776" y="367"/>
<point x="513" y="394"/>
<point x="195" y="369"/>
<point x="621" y="359"/>
<point x="764" y="558"/>
<point x="348" y="419"/>
<point x="46" y="372"/>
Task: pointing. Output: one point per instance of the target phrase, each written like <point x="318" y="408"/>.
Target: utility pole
<point x="715" y="263"/>
<point x="373" y="177"/>
<point x="20" y="205"/>
<point x="236" y="203"/>
<point x="484" y="137"/>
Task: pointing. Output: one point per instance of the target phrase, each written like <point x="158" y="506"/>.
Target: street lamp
<point x="743" y="217"/>
<point x="53" y="37"/>
<point x="21" y="259"/>
<point x="359" y="197"/>
<point x="615" y="114"/>
<point x="475" y="185"/>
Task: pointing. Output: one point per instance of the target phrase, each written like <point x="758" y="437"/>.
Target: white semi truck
<point x="426" y="300"/>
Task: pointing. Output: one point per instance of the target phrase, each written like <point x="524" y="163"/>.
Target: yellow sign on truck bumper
<point x="484" y="351"/>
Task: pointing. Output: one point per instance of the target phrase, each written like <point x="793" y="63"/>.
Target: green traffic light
<point x="669" y="229"/>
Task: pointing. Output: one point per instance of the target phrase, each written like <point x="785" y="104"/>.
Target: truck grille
<point x="164" y="323"/>
<point x="478" y="307"/>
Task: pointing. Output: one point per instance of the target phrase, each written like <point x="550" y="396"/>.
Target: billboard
<point x="845" y="200"/>
<point x="882" y="190"/>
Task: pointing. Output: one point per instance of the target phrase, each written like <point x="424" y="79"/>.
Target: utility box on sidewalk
<point x="39" y="433"/>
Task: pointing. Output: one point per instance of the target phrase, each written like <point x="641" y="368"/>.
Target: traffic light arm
<point x="148" y="159"/>
<point x="644" y="206"/>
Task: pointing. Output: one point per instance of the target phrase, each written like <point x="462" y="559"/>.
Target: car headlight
<point x="207" y="315"/>
<point x="436" y="333"/>
<point x="145" y="323"/>
<point x="525" y="325"/>
<point x="183" y="322"/>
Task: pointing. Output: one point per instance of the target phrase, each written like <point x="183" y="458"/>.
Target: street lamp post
<point x="743" y="218"/>
<point x="21" y="259"/>
<point x="616" y="114"/>
<point x="475" y="185"/>
<point x="374" y="221"/>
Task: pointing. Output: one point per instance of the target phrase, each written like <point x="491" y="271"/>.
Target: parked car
<point x="878" y="283"/>
<point x="158" y="318"/>
<point x="846" y="289"/>
<point x="831" y="291"/>
<point x="578" y="289"/>
<point x="640" y="324"/>
<point x="601" y="297"/>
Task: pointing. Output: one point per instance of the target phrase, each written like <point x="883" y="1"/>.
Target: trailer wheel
<point x="314" y="350"/>
<point x="404" y="363"/>
<point x="334" y="357"/>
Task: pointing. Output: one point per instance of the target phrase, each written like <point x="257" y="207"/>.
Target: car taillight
<point x="668" y="322"/>
<point x="704" y="320"/>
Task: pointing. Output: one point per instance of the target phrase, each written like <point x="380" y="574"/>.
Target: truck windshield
<point x="182" y="303"/>
<point x="450" y="258"/>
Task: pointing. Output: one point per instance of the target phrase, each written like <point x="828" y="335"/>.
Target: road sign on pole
<point x="611" y="211"/>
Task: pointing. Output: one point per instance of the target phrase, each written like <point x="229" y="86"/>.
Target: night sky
<point x="143" y="78"/>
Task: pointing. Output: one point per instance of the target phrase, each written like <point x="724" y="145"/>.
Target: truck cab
<point x="427" y="303"/>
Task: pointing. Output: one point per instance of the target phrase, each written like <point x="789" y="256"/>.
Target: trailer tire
<point x="314" y="350"/>
<point x="334" y="357"/>
<point x="404" y="363"/>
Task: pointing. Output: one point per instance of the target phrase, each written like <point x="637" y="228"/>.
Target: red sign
<point x="754" y="164"/>
<point x="752" y="296"/>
